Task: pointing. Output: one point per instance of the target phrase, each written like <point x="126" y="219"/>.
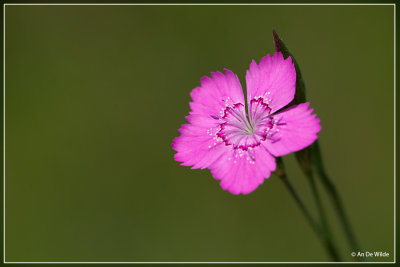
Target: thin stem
<point x="316" y="227"/>
<point x="300" y="203"/>
<point x="333" y="193"/>
<point x="322" y="216"/>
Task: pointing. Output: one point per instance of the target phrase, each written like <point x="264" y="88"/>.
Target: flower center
<point x="244" y="131"/>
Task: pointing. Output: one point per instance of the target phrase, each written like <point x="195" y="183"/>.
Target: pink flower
<point x="239" y="148"/>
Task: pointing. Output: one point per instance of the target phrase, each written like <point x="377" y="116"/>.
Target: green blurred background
<point x="94" y="98"/>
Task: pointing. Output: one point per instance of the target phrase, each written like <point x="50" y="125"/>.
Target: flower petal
<point x="198" y="145"/>
<point x="274" y="79"/>
<point x="298" y="128"/>
<point x="211" y="97"/>
<point x="238" y="175"/>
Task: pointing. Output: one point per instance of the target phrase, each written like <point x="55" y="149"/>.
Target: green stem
<point x="316" y="227"/>
<point x="333" y="193"/>
<point x="322" y="216"/>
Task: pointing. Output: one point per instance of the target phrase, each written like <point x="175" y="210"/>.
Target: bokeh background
<point x="94" y="98"/>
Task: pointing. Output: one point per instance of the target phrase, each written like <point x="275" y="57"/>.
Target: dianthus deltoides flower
<point x="239" y="147"/>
